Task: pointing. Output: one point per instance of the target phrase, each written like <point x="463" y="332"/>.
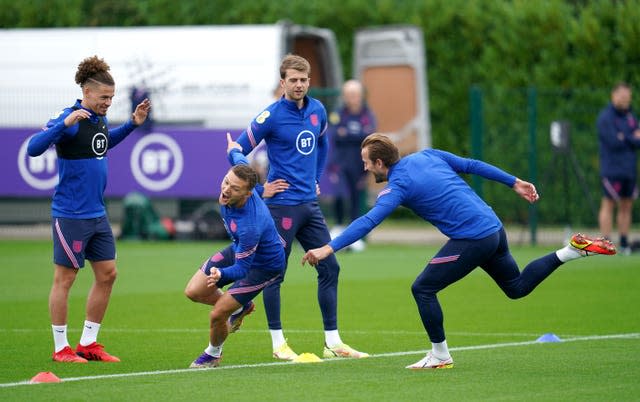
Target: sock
<point x="440" y="350"/>
<point x="623" y="241"/>
<point x="568" y="253"/>
<point x="215" y="351"/>
<point x="277" y="338"/>
<point x="332" y="338"/>
<point x="59" y="337"/>
<point x="89" y="333"/>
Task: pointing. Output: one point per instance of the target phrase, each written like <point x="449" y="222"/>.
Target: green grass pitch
<point x="592" y="304"/>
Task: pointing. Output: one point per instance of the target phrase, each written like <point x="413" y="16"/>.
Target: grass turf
<point x="152" y="327"/>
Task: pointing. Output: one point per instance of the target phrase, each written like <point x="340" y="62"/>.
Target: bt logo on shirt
<point x="306" y="142"/>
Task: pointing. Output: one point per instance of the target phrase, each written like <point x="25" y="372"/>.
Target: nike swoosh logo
<point x="88" y="327"/>
<point x="60" y="331"/>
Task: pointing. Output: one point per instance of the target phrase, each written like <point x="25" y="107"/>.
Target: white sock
<point x="332" y="338"/>
<point x="277" y="338"/>
<point x="215" y="351"/>
<point x="440" y="350"/>
<point x="568" y="253"/>
<point x="89" y="333"/>
<point x="59" y="337"/>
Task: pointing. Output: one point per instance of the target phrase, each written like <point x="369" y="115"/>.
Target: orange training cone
<point x="44" y="376"/>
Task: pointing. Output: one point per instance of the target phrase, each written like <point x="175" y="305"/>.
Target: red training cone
<point x="44" y="376"/>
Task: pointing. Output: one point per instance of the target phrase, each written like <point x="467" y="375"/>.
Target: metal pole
<point x="475" y="98"/>
<point x="532" y="114"/>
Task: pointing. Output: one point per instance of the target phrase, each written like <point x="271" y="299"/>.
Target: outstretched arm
<point x="526" y="190"/>
<point x="314" y="256"/>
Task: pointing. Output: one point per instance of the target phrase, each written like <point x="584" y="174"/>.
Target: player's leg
<point x="353" y="188"/>
<point x="515" y="284"/>
<point x="197" y="289"/>
<point x="101" y="252"/>
<point x="628" y="193"/>
<point x="287" y="220"/>
<point x="218" y="333"/>
<point x="313" y="235"/>
<point x="68" y="257"/>
<point x="607" y="204"/>
<point x="220" y="319"/>
<point x="63" y="279"/>
<point x="455" y="260"/>
<point x="241" y="293"/>
<point x="354" y="180"/>
<point x="623" y="219"/>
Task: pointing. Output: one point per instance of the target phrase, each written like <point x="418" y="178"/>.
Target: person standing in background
<point x="619" y="139"/>
<point x="349" y="125"/>
<point x="81" y="229"/>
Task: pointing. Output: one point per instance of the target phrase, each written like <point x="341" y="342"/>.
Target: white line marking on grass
<point x="292" y="331"/>
<point x="392" y="354"/>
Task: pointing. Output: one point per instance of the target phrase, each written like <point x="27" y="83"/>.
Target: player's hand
<point x="142" y="111"/>
<point x="314" y="256"/>
<point x="231" y="144"/>
<point x="213" y="277"/>
<point x="75" y="117"/>
<point x="526" y="190"/>
<point x="274" y="187"/>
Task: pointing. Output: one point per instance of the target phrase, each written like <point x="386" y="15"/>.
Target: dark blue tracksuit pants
<point x="457" y="258"/>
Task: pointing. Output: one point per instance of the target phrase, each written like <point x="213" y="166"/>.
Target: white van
<point x="208" y="76"/>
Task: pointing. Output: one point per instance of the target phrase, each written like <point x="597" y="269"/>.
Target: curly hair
<point x="94" y="69"/>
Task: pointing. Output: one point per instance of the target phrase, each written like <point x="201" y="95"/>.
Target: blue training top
<point x="83" y="175"/>
<point x="296" y="146"/>
<point x="256" y="242"/>
<point x="428" y="183"/>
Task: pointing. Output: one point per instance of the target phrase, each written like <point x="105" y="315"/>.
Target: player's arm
<point x="138" y="117"/>
<point x="236" y="157"/>
<point x="119" y="133"/>
<point x="234" y="152"/>
<point x="385" y="205"/>
<point x="477" y="167"/>
<point x="257" y="130"/>
<point x="245" y="253"/>
<point x="523" y="188"/>
<point x="55" y="130"/>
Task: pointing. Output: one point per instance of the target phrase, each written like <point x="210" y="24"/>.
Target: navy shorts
<point x="303" y="222"/>
<point x="75" y="240"/>
<point x="247" y="288"/>
<point x="615" y="189"/>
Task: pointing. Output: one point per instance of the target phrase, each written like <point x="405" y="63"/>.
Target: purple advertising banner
<point x="171" y="162"/>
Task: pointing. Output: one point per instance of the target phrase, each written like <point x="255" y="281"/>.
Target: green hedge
<point x="572" y="50"/>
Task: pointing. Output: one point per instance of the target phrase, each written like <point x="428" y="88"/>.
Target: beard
<point x="379" y="177"/>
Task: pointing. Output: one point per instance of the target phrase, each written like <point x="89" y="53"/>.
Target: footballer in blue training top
<point x="254" y="260"/>
<point x="81" y="229"/>
<point x="294" y="130"/>
<point x="429" y="184"/>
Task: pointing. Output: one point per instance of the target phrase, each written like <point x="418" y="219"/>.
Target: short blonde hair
<point x="294" y="62"/>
